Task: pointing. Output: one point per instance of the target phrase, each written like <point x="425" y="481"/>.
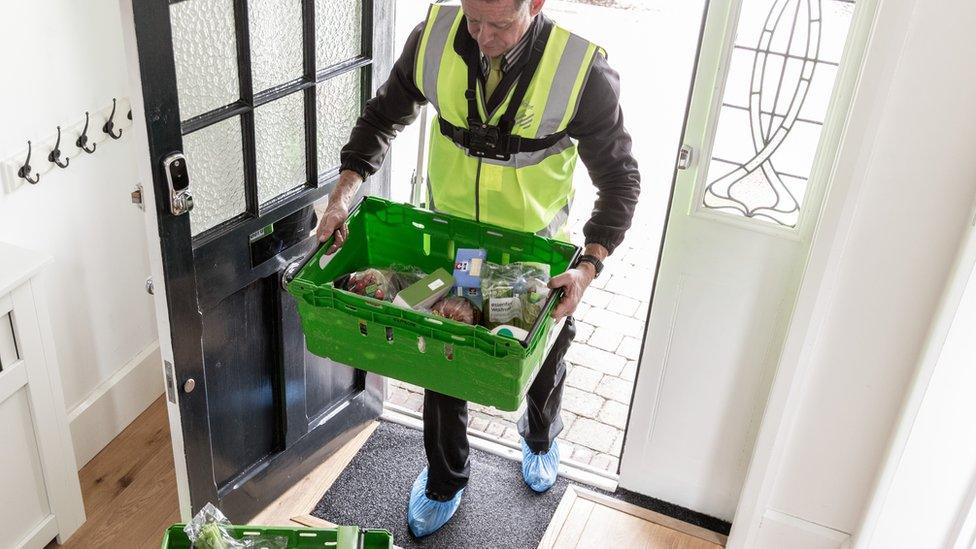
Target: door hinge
<point x="136" y="197"/>
<point x="685" y="157"/>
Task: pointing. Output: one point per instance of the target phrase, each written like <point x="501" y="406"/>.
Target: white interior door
<point x="737" y="234"/>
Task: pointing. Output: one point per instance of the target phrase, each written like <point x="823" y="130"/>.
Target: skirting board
<point x="782" y="530"/>
<point x="117" y="401"/>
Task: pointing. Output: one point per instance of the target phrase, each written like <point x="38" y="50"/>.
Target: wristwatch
<point x="592" y="260"/>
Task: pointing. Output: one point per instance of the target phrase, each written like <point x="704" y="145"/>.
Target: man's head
<point x="498" y="25"/>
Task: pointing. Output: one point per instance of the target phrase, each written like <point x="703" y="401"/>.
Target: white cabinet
<point x="40" y="497"/>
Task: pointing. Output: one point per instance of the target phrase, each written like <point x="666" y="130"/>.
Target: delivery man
<point x="518" y="98"/>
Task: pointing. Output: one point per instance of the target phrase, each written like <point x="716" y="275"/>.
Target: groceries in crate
<point x="382" y="284"/>
<point x="457" y="308"/>
<point x="468" y="265"/>
<point x="506" y="299"/>
<point x="422" y="295"/>
<point x="510" y="331"/>
<point x="210" y="529"/>
<point x="514" y="294"/>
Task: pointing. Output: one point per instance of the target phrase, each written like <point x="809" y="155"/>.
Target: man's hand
<point x="333" y="222"/>
<point x="575" y="281"/>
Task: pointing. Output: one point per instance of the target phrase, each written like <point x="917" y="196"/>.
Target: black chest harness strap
<point x="497" y="142"/>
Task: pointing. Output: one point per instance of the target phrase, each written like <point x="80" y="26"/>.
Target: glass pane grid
<point x="272" y="103"/>
<point x="779" y="82"/>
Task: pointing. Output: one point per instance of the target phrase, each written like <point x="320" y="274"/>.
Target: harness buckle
<point x="488" y="142"/>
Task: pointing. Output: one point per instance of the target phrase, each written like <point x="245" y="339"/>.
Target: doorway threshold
<point x="577" y="472"/>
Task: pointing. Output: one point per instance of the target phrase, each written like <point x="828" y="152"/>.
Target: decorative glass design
<point x="279" y="138"/>
<point x="779" y="83"/>
<point x="205" y="51"/>
<point x="276" y="42"/>
<point x="215" y="158"/>
<point x="338" y="102"/>
<point x="338" y="31"/>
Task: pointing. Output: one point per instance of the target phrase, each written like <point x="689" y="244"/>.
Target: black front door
<point x="246" y="104"/>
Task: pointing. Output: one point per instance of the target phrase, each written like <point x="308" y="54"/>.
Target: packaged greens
<point x="514" y="294"/>
<point x="210" y="529"/>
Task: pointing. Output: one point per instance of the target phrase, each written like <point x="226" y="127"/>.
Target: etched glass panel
<point x="276" y="42"/>
<point x="205" y="51"/>
<point x="279" y="138"/>
<point x="215" y="158"/>
<point x="780" y="79"/>
<point x="338" y="31"/>
<point x="338" y="100"/>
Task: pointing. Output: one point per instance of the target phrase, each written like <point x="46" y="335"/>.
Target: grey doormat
<point x="497" y="511"/>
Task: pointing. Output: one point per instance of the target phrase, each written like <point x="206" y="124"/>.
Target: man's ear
<point x="535" y="7"/>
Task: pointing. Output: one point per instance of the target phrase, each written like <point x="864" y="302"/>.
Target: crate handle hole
<point x="421" y="344"/>
<point x="440" y="220"/>
<point x="495" y="234"/>
<point x="450" y="248"/>
<point x="418" y="225"/>
<point x="458" y="338"/>
<point x="517" y="249"/>
<point x="505" y="258"/>
<point x="362" y="327"/>
<point x="349" y="308"/>
<point x="323" y="261"/>
<point x="251" y="533"/>
<point x="426" y="243"/>
<point x="433" y="321"/>
<point x="307" y="535"/>
<point x="449" y="351"/>
<point x="389" y="334"/>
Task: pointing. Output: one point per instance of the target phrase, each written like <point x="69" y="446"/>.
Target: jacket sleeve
<point x="396" y="104"/>
<point x="605" y="148"/>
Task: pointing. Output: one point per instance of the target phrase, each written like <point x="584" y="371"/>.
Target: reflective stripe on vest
<point x="531" y="191"/>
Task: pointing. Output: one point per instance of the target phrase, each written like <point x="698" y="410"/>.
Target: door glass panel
<point x="338" y="102"/>
<point x="780" y="79"/>
<point x="215" y="158"/>
<point x="205" y="51"/>
<point x="279" y="138"/>
<point x="276" y="42"/>
<point x="338" y="31"/>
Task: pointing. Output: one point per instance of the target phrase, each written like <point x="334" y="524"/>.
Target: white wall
<point x="902" y="198"/>
<point x="59" y="60"/>
<point x="933" y="463"/>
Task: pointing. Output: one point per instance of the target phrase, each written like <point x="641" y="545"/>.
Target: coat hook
<point x="25" y="170"/>
<point x="83" y="139"/>
<point x="55" y="155"/>
<point x="110" y="124"/>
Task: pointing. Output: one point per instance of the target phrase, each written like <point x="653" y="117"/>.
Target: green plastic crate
<point x="467" y="362"/>
<point x="343" y="537"/>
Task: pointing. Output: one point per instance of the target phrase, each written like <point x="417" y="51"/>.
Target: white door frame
<point x="878" y="35"/>
<point x="155" y="255"/>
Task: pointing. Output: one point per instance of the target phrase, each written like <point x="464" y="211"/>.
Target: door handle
<point x="178" y="178"/>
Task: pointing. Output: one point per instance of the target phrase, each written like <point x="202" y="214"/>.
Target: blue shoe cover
<point x="424" y="515"/>
<point x="540" y="470"/>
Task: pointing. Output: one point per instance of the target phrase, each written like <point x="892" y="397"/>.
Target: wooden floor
<point x="129" y="490"/>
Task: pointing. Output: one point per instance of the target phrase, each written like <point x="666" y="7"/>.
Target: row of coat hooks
<point x="28" y="167"/>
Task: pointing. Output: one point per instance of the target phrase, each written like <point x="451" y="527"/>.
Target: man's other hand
<point x="333" y="221"/>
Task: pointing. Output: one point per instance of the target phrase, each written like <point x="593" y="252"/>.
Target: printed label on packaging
<point x="435" y="284"/>
<point x="504" y="309"/>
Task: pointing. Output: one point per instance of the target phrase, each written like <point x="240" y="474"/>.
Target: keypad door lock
<point x="178" y="177"/>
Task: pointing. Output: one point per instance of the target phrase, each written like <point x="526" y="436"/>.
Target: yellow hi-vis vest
<point x="529" y="191"/>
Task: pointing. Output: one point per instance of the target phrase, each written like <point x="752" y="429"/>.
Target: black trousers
<point x="446" y="422"/>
